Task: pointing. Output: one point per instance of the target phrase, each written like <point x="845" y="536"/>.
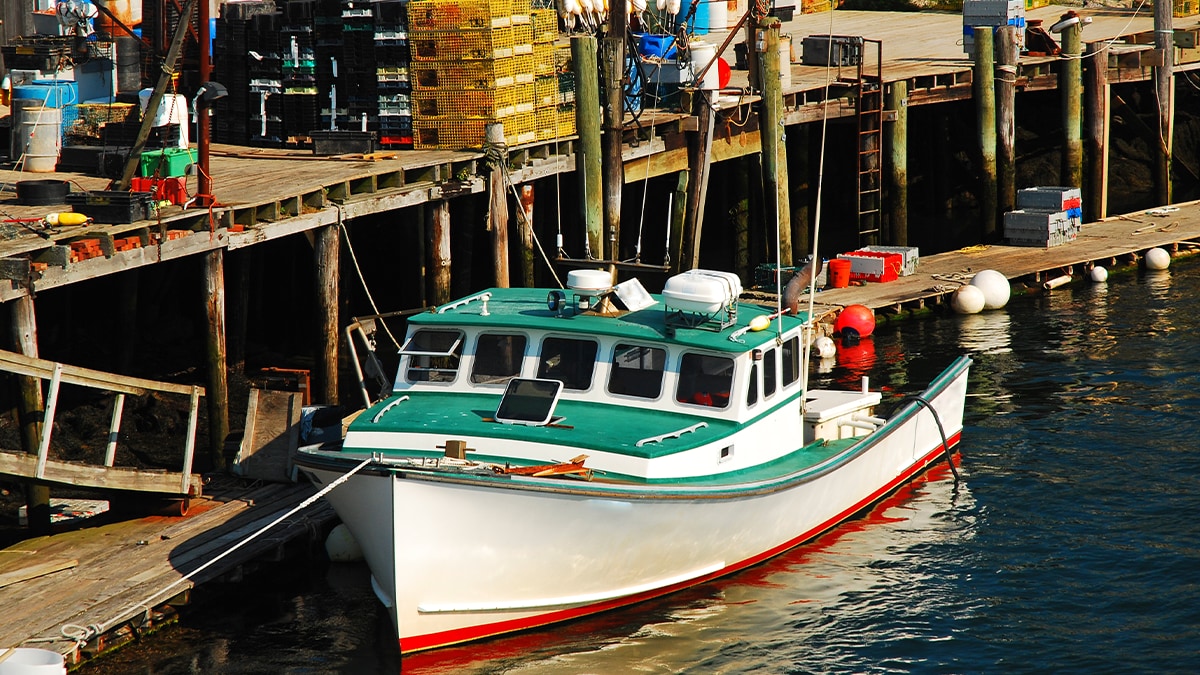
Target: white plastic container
<point x="29" y="661"/>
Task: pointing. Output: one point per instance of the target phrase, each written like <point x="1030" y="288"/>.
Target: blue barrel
<point x="51" y="93"/>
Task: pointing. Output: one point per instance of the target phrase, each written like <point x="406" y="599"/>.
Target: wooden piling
<point x="31" y="408"/>
<point x="1006" y="118"/>
<point x="1164" y="89"/>
<point x="439" y="251"/>
<point x="216" y="364"/>
<point x="327" y="247"/>
<point x="775" y="182"/>
<point x="1070" y="86"/>
<point x="985" y="115"/>
<point x="525" y="227"/>
<point x="588" y="156"/>
<point x="699" y="160"/>
<point x="678" y="218"/>
<point x="612" y="65"/>
<point x="1096" y="106"/>
<point x="897" y="131"/>
<point x="497" y="219"/>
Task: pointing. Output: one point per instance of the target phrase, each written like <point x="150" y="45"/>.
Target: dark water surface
<point x="1072" y="545"/>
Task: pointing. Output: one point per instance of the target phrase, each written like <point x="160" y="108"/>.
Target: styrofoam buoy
<point x="858" y="317"/>
<point x="1098" y="274"/>
<point x="341" y="546"/>
<point x="30" y="661"/>
<point x="995" y="287"/>
<point x="1157" y="259"/>
<point x="825" y="347"/>
<point x="967" y="299"/>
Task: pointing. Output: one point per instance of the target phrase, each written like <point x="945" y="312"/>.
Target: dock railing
<point x="44" y="468"/>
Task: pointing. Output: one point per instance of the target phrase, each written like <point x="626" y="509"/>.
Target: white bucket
<point x="785" y="60"/>
<point x="702" y="54"/>
<point x="734" y="9"/>
<point x="29" y="661"/>
<point x="173" y="109"/>
<point x="39" y="138"/>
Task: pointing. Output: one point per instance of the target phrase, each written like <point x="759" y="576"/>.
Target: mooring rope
<point x="81" y="634"/>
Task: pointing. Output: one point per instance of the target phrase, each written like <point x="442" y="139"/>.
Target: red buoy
<point x="858" y="317"/>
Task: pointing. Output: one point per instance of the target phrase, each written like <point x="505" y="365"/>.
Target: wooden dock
<point x="84" y="592"/>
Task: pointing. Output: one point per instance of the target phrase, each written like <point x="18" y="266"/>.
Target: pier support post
<point x="1096" y="106"/>
<point x="497" y="220"/>
<point x="897" y="131"/>
<point x="1006" y="118"/>
<point x="699" y="157"/>
<point x="985" y="110"/>
<point x="327" y="249"/>
<point x="1070" y="85"/>
<point x="774" y="154"/>
<point x="587" y="123"/>
<point x="525" y="227"/>
<point x="439" y="251"/>
<point x="217" y="390"/>
<point x="678" y="217"/>
<point x="31" y="408"/>
<point x="1164" y="89"/>
<point x="612" y="65"/>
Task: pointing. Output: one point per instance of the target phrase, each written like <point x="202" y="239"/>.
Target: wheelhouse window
<point x="769" y="374"/>
<point x="497" y="358"/>
<point x="433" y="355"/>
<point x="570" y="361"/>
<point x="637" y="371"/>
<point x="791" y="360"/>
<point x="705" y="380"/>
<point x="752" y="386"/>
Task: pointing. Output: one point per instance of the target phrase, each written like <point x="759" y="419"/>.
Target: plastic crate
<point x="566" y="121"/>
<point x="461" y="45"/>
<point x="910" y="255"/>
<point x="832" y="50"/>
<point x="172" y="189"/>
<point x="113" y="206"/>
<point x="1052" y="198"/>
<point x="875" y="267"/>
<point x="490" y="74"/>
<point x="455" y="14"/>
<point x="166" y="162"/>
<point x="333" y="142"/>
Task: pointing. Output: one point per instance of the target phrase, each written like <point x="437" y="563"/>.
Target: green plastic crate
<point x="167" y="163"/>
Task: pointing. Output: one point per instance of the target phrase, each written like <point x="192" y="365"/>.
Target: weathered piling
<point x="1006" y="118"/>
<point x="897" y="103"/>
<point x="1164" y="89"/>
<point x="774" y="155"/>
<point x="497" y="220"/>
<point x="985" y="114"/>
<point x="612" y="57"/>
<point x="326" y="252"/>
<point x="439" y="252"/>
<point x="31" y="408"/>
<point x="216" y="366"/>
<point x="525" y="227"/>
<point x="588" y="156"/>
<point x="1096" y="105"/>
<point x="1070" y="85"/>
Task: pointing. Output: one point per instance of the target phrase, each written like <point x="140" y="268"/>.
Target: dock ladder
<point x="869" y="90"/>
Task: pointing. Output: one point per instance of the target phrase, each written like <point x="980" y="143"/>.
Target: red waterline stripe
<point x="459" y="635"/>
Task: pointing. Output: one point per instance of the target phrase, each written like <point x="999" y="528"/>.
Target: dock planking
<point x="82" y="592"/>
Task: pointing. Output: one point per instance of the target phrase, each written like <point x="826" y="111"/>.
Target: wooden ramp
<point x="80" y="593"/>
<point x="44" y="467"/>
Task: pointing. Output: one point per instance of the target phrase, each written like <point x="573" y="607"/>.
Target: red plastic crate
<point x="874" y="266"/>
<point x="172" y="189"/>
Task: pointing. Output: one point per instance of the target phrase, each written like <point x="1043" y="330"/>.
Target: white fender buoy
<point x="341" y="546"/>
<point x="995" y="287"/>
<point x="1157" y="259"/>
<point x="825" y="347"/>
<point x="967" y="299"/>
<point x="1098" y="274"/>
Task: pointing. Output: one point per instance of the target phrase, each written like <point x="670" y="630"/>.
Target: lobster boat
<point x="550" y="454"/>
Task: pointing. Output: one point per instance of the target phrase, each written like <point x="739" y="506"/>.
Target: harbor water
<point x="1070" y="545"/>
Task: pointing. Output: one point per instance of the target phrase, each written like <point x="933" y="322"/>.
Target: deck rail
<point x="44" y="468"/>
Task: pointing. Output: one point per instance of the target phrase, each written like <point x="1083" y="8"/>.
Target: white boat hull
<point x="457" y="560"/>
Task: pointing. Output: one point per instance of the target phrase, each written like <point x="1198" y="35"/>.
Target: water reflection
<point x="985" y="333"/>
